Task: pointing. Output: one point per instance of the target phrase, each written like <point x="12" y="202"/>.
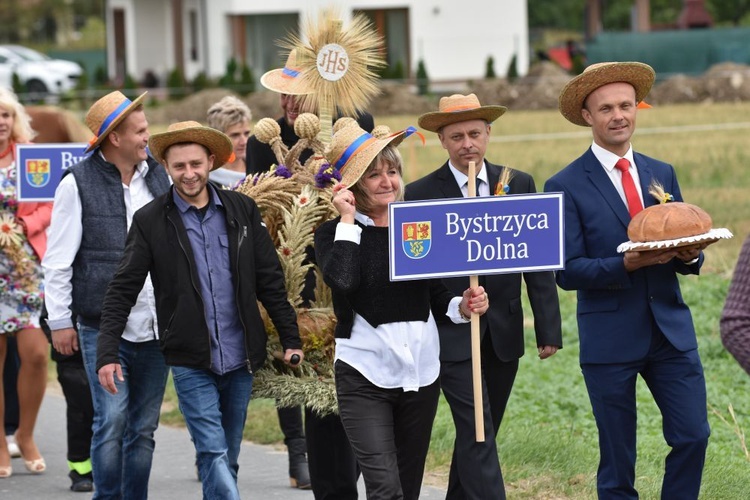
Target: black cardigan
<point x="359" y="279"/>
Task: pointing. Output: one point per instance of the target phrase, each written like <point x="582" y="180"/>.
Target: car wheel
<point x="37" y="90"/>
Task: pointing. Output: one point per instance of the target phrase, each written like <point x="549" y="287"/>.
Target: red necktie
<point x="631" y="193"/>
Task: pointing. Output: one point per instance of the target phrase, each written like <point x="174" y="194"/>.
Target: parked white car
<point x="40" y="75"/>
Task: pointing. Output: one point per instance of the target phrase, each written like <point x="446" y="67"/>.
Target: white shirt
<point x="226" y="177"/>
<point x="608" y="160"/>
<point x="403" y="354"/>
<point x="64" y="240"/>
<point x="483" y="188"/>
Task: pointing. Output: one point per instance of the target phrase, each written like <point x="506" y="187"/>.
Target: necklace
<point x="7" y="151"/>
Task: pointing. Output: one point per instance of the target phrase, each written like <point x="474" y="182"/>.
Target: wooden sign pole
<point x="476" y="354"/>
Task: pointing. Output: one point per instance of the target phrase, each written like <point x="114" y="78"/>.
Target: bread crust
<point x="668" y="221"/>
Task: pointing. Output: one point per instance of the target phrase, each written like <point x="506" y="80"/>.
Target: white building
<point x="453" y="38"/>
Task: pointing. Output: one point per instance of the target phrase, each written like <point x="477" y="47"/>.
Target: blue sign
<point x="39" y="168"/>
<point x="471" y="236"/>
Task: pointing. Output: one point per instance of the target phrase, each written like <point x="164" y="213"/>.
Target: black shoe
<point x="81" y="482"/>
<point x="299" y="475"/>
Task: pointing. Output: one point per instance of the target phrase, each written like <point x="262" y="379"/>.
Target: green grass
<point x="548" y="441"/>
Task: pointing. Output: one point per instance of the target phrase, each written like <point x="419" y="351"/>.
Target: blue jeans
<point x="215" y="409"/>
<point x="122" y="444"/>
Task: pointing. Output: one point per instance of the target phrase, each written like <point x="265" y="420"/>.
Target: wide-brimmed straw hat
<point x="572" y="97"/>
<point x="459" y="108"/>
<point x="286" y="80"/>
<point x="192" y="132"/>
<point x="352" y="149"/>
<point x="106" y="113"/>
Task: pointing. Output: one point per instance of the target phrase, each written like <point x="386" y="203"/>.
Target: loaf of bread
<point x="668" y="221"/>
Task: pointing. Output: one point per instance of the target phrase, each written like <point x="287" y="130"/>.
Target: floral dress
<point x="21" y="280"/>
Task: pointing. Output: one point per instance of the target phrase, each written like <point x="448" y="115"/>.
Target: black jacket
<point x="158" y="243"/>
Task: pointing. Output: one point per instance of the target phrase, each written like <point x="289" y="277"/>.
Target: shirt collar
<point x="141" y="168"/>
<point x="363" y="219"/>
<point x="462" y="178"/>
<point x="608" y="158"/>
<point x="183" y="206"/>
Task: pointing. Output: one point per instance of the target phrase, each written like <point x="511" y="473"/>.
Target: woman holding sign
<point x="387" y="350"/>
<point x="22" y="244"/>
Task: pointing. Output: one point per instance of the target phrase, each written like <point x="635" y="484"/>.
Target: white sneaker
<point x="13" y="449"/>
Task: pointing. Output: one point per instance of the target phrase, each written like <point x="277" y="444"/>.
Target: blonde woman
<point x="387" y="350"/>
<point x="231" y="116"/>
<point x="22" y="245"/>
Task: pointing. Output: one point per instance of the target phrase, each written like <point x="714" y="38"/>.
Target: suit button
<point x="651" y="298"/>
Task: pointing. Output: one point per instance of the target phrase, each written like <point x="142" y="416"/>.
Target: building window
<point x="393" y="26"/>
<point x="193" y="16"/>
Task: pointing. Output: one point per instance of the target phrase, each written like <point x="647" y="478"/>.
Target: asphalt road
<point x="262" y="475"/>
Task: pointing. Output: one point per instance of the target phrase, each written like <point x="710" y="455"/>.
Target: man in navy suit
<point x="631" y="316"/>
<point x="463" y="127"/>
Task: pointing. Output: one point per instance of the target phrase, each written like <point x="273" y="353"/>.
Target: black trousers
<point x="80" y="409"/>
<point x="10" y="386"/>
<point x="333" y="467"/>
<point x="290" y="422"/>
<point x="389" y="431"/>
<point x="475" y="467"/>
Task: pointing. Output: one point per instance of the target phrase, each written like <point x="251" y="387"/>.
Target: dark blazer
<point x="615" y="307"/>
<point x="504" y="319"/>
<point x="158" y="243"/>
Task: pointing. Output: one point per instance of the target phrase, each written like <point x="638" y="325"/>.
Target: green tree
<point x="616" y="15"/>
<point x="229" y="79"/>
<point x="489" y="69"/>
<point x="201" y="82"/>
<point x="512" y="73"/>
<point x="560" y="14"/>
<point x="397" y="73"/>
<point x="423" y="81"/>
<point x="734" y="12"/>
<point x="129" y="86"/>
<point x="247" y="80"/>
<point x="175" y="84"/>
<point x="100" y="77"/>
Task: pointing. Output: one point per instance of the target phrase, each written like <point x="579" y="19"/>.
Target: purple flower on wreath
<point x="282" y="171"/>
<point x="326" y="174"/>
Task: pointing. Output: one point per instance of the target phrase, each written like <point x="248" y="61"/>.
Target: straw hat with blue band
<point x="352" y="149"/>
<point x="218" y="143"/>
<point x="286" y="80"/>
<point x="573" y="96"/>
<point x="459" y="108"/>
<point x="107" y="113"/>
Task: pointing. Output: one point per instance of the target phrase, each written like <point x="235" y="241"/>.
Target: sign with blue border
<point x="473" y="236"/>
<point x="39" y="168"/>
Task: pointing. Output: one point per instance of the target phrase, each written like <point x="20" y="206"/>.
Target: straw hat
<point x="573" y="95"/>
<point x="286" y="80"/>
<point x="352" y="150"/>
<point x="459" y="108"/>
<point x="192" y="132"/>
<point x="107" y="113"/>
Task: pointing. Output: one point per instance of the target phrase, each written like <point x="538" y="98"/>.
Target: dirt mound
<point x="541" y="86"/>
<point x="193" y="107"/>
<point x="678" y="89"/>
<point x="728" y="82"/>
<point x="264" y="104"/>
<point x="399" y="99"/>
<point x="538" y="89"/>
<point x="495" y="91"/>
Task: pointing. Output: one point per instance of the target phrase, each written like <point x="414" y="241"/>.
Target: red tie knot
<point x="623" y="165"/>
